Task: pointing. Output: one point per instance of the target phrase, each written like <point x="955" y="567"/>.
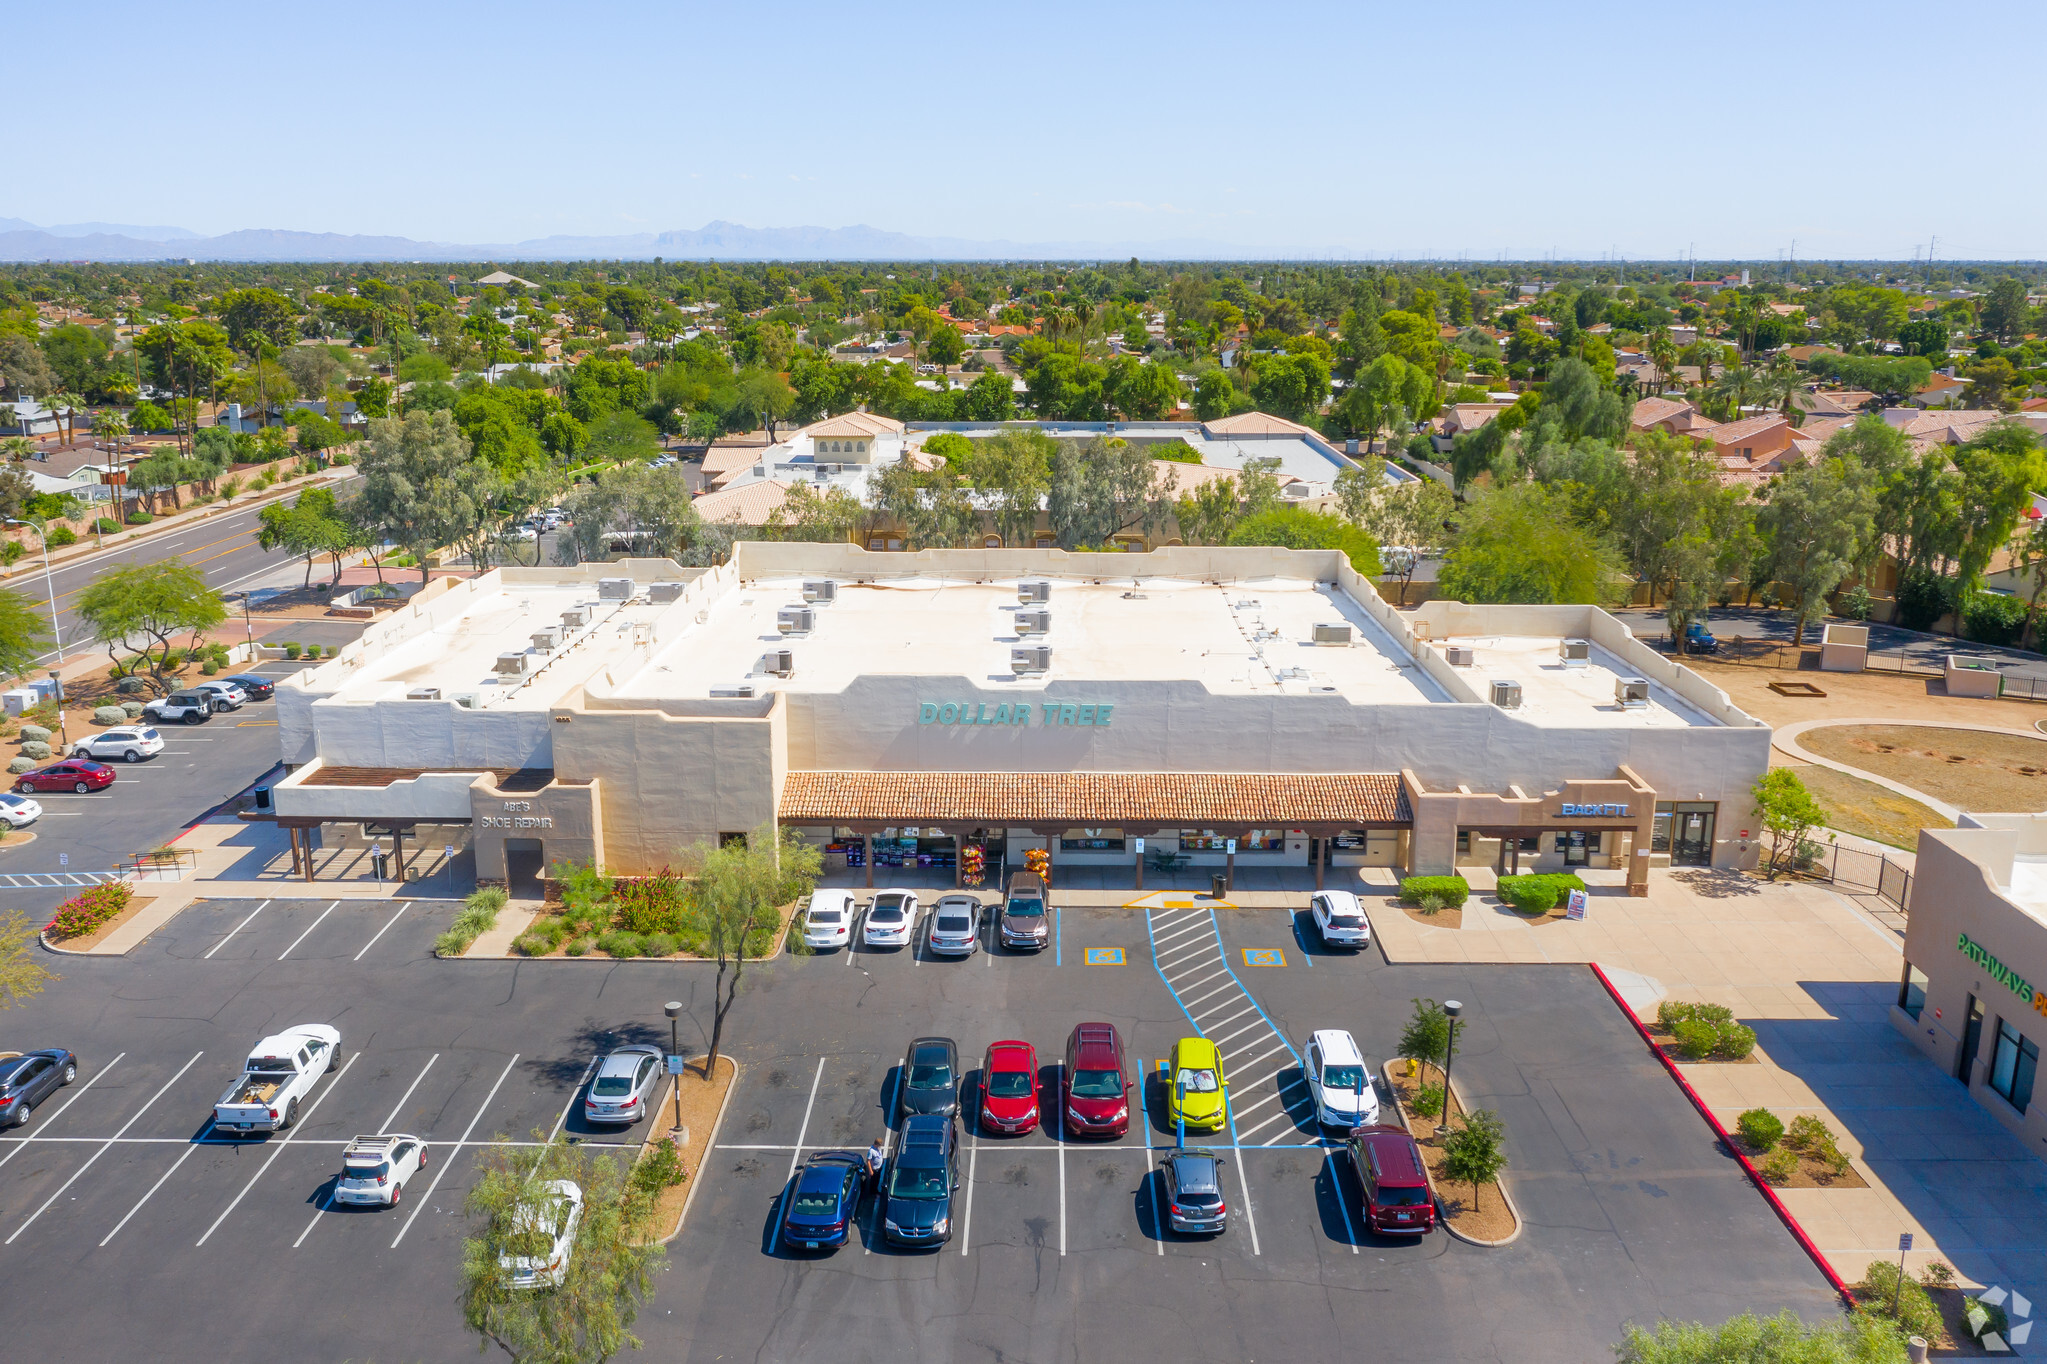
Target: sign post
<point x="1904" y="1244"/>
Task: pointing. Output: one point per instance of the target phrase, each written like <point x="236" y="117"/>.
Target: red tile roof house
<point x="1672" y="415"/>
<point x="1942" y="390"/>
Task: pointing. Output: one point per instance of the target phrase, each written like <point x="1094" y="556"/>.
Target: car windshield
<point x="916" y="1181"/>
<point x="1009" y="1084"/>
<point x="1027" y="909"/>
<point x="935" y="1074"/>
<point x="377" y="1171"/>
<point x="824" y="916"/>
<point x="1346" y="921"/>
<point x="1343" y="1077"/>
<point x="954" y="923"/>
<point x="612" y="1085"/>
<point x="1196" y="1081"/>
<point x="1097" y="1084"/>
<point x="1401" y="1198"/>
<point x="816" y="1203"/>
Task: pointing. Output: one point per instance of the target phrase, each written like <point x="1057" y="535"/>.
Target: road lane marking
<point x="278" y="1150"/>
<point x="795" y="1155"/>
<point x="37" y="1134"/>
<point x="104" y="1149"/>
<point x="316" y="923"/>
<point x="385" y="929"/>
<point x="888" y="1142"/>
<point x="400" y="1106"/>
<point x="1350" y="1228"/>
<point x="973" y="1164"/>
<point x="464" y="1139"/>
<point x="232" y="931"/>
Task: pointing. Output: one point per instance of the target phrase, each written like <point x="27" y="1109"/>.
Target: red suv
<point x="1398" y="1201"/>
<point x="1097" y="1092"/>
<point x="1009" y="1088"/>
<point x="73" y="774"/>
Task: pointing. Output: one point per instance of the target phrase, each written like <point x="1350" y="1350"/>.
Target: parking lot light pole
<point x="1451" y="1008"/>
<point x="49" y="584"/>
<point x="673" y="1008"/>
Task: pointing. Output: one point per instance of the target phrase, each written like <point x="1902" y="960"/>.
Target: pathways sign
<point x="1015" y="715"/>
<point x="2002" y="974"/>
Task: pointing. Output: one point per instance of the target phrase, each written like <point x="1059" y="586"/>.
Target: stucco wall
<point x="431" y="796"/>
<point x="567" y="820"/>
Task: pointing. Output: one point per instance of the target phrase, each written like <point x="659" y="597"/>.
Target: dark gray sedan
<point x="31" y="1077"/>
<point x="931" y="1081"/>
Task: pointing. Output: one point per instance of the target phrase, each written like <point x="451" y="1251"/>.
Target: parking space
<point x="334" y="931"/>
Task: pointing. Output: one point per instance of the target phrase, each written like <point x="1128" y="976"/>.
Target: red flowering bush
<point x="88" y="910"/>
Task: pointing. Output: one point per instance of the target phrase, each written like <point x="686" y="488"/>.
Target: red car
<point x="1009" y="1088"/>
<point x="1097" y="1088"/>
<point x="1398" y="1199"/>
<point x="73" y="774"/>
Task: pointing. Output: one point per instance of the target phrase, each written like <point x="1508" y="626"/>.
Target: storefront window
<point x="1091" y="840"/>
<point x="1912" y="990"/>
<point x="1684" y="829"/>
<point x="2011" y="1069"/>
<point x="1464" y="840"/>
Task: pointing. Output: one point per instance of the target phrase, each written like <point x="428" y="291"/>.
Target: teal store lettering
<point x="1015" y="714"/>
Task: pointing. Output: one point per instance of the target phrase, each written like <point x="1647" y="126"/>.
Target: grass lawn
<point x="1856" y="806"/>
<point x="1971" y="769"/>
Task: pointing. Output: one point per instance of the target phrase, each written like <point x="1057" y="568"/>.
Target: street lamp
<point x="248" y="627"/>
<point x="1451" y="1008"/>
<point x="673" y="1008"/>
<point x="49" y="584"/>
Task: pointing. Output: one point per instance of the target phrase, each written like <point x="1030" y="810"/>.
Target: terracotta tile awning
<point x="1161" y="799"/>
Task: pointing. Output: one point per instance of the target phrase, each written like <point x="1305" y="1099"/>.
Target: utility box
<point x="1505" y="693"/>
<point x="548" y="640"/>
<point x="1028" y="593"/>
<point x="17" y="700"/>
<point x="1033" y="658"/>
<point x="733" y="690"/>
<point x="1966" y="675"/>
<point x="424" y="694"/>
<point x="514" y="665"/>
<point x="1333" y="634"/>
<point x="1574" y="653"/>
<point x="820" y="590"/>
<point x="795" y="620"/>
<point x="1460" y="655"/>
<point x="1844" y="648"/>
<point x="1631" y="693"/>
<point x="614" y="589"/>
<point x="661" y="594"/>
<point x="1037" y="622"/>
<point x="575" y="618"/>
<point x="779" y="663"/>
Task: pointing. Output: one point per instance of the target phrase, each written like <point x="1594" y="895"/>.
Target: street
<point x="1888" y="645"/>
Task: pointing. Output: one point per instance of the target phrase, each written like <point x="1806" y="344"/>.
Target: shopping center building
<point x="1973" y="997"/>
<point x="1198" y="708"/>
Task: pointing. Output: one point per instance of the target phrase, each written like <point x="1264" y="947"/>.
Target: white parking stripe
<point x="1227" y="1018"/>
<point x="400" y="1108"/>
<point x="973" y="1164"/>
<point x="563" y="1117"/>
<point x="1247" y="1132"/>
<point x="278" y="1150"/>
<point x="435" y="1183"/>
<point x="189" y="1149"/>
<point x="1186" y="956"/>
<point x="1226" y="985"/>
<point x="34" y="1136"/>
<point x="1261" y="1023"/>
<point x="232" y="931"/>
<point x="796" y="1154"/>
<point x="104" y="1149"/>
<point x="888" y="1142"/>
<point x="315" y="924"/>
<point x="1195" y="928"/>
<point x="1200" y="980"/>
<point x="385" y="929"/>
<point x="1274" y="1052"/>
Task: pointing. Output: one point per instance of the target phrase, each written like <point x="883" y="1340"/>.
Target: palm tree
<point x="17" y="448"/>
<point x="64" y="406"/>
<point x="1663" y="354"/>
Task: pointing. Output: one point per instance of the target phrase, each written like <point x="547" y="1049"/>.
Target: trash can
<point x="379" y="863"/>
<point x="1218" y="886"/>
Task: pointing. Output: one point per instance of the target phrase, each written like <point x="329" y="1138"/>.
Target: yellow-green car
<point x="1197" y="1085"/>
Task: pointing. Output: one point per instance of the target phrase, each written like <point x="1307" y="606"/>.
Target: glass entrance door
<point x="1692" y="838"/>
<point x="1972" y="1042"/>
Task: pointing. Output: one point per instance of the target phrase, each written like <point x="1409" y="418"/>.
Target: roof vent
<point x="733" y="690"/>
<point x="1631" y="693"/>
<point x="1574" y="653"/>
<point x="466" y="699"/>
<point x="779" y="662"/>
<point x="614" y="589"/>
<point x="663" y="593"/>
<point x="547" y="640"/>
<point x="1506" y="693"/>
<point x="424" y="694"/>
<point x="1037" y="622"/>
<point x="1032" y="658"/>
<point x="513" y="665"/>
<point x="575" y="618"/>
<point x="796" y="620"/>
<point x="1033" y="592"/>
<point x="1458" y="654"/>
<point x="1333" y="633"/>
<point x="820" y="590"/>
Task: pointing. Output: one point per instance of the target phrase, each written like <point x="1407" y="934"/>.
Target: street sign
<point x="63" y="859"/>
<point x="1140" y="848"/>
<point x="449" y="852"/>
<point x="1905" y="1240"/>
<point x="675" y="1065"/>
<point x="1231" y="849"/>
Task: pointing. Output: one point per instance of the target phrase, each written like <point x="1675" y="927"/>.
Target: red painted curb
<point x="1755" y="1176"/>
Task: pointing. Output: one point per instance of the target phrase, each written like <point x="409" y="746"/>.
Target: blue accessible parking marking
<point x="1105" y="956"/>
<point x="1264" y="956"/>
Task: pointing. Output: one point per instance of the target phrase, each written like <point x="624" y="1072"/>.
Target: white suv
<point x="1339" y="1081"/>
<point x="226" y="695"/>
<point x="1340" y="919"/>
<point x="374" y="1169"/>
<point x="130" y="744"/>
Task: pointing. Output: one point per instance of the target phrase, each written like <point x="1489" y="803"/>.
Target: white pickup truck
<point x="281" y="1071"/>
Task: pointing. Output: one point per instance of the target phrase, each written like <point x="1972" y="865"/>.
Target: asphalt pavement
<point x="1888" y="644"/>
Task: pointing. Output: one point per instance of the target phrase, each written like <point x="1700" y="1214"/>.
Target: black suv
<point x="916" y="1205"/>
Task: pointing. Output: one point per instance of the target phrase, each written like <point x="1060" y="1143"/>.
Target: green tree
<point x="2004" y="312"/>
<point x="1214" y="396"/>
<point x="1100" y="488"/>
<point x="1475" y="1153"/>
<point x="767" y="396"/>
<point x="737" y="895"/>
<point x="22" y="973"/>
<point x="1522" y="543"/>
<point x="1014" y="468"/>
<point x="2000" y="469"/>
<point x="610" y="1272"/>
<point x="821" y="517"/>
<point x="318" y="432"/>
<point x="161" y="601"/>
<point x="1817" y="518"/>
<point x="1299" y="528"/>
<point x="1749" y="1339"/>
<point x="1788" y="813"/>
<point x="313" y="525"/>
<point x="1410" y="521"/>
<point x="22" y="639"/>
<point x="420" y="489"/>
<point x="945" y="348"/>
<point x="315" y="369"/>
<point x="253" y="315"/>
<point x="650" y="506"/>
<point x="1427" y="1034"/>
<point x="1290" y="386"/>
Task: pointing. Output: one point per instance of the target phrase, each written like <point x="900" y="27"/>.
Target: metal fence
<point x="1757" y="653"/>
<point x="1857" y="871"/>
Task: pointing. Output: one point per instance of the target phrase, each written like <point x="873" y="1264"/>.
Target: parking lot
<point x="1631" y="1212"/>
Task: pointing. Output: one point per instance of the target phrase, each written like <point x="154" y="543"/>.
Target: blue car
<point x="825" y="1201"/>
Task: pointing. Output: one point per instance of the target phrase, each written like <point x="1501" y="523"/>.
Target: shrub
<point x="291" y="649"/>
<point x="1808" y="1133"/>
<point x="1989" y="618"/>
<point x="1696" y="1040"/>
<point x="478" y="915"/>
<point x="1427" y="1101"/>
<point x="1529" y="894"/>
<point x="1985" y="1317"/>
<point x="1937" y="1275"/>
<point x="661" y="945"/>
<point x="17" y="766"/>
<point x="1735" y="1041"/>
<point x="620" y="943"/>
<point x="652" y="904"/>
<point x="89" y="909"/>
<point x="1432" y="904"/>
<point x="209" y="667"/>
<point x="35" y="734"/>
<point x="36" y="749"/>
<point x="1884" y="1284"/>
<point x="1453" y="891"/>
<point x="1760" y="1128"/>
<point x="139" y="517"/>
<point x="533" y="942"/>
<point x="107" y="525"/>
<point x="1780" y="1165"/>
<point x="578" y="947"/>
<point x="661" y="1168"/>
<point x="109" y="715"/>
<point x="1427" y="1034"/>
<point x="63" y="536"/>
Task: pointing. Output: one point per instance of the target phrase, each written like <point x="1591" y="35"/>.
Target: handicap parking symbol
<point x="1104" y="956"/>
<point x="1264" y="956"/>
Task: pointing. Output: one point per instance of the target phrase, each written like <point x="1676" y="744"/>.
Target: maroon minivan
<point x="1097" y="1087"/>
<point x="1398" y="1201"/>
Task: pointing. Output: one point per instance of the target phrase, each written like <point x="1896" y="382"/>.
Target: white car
<point x="828" y="921"/>
<point x="623" y="1089"/>
<point x="131" y="744"/>
<point x="1339" y="1081"/>
<point x="374" y="1169"/>
<point x="543" y="1236"/>
<point x="890" y="919"/>
<point x="19" y="811"/>
<point x="524" y="534"/>
<point x="1340" y="919"/>
<point x="226" y="695"/>
<point x="956" y="925"/>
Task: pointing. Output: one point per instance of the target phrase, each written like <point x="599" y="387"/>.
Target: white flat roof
<point x="1554" y="693"/>
<point x="2028" y="888"/>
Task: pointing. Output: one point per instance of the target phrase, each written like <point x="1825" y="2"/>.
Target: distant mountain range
<point x="24" y="241"/>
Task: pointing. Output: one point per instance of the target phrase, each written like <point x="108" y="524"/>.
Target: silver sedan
<point x="623" y="1090"/>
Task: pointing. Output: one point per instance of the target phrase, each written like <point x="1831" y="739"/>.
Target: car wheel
<point x="291" y="1115"/>
<point x="80" y="787"/>
<point x="25" y="788"/>
<point x="422" y="1160"/>
<point x="131" y="756"/>
<point x="397" y="1194"/>
<point x="334" y="1060"/>
<point x="194" y="718"/>
<point x="21" y="1114"/>
<point x="70" y="1072"/>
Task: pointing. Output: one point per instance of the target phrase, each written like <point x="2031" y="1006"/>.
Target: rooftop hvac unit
<point x="733" y="690"/>
<point x="820" y="590"/>
<point x="614" y="589"/>
<point x="1574" y="653"/>
<point x="1033" y="592"/>
<point x="1506" y="693"/>
<point x="1335" y="633"/>
<point x="424" y="694"/>
<point x="466" y="699"/>
<point x="663" y="593"/>
<point x="1631" y="692"/>
<point x="795" y="620"/>
<point x="1458" y="654"/>
<point x="1038" y="622"/>
<point x="575" y="618"/>
<point x="1032" y="658"/>
<point x="548" y="640"/>
<point x="779" y="662"/>
<point x="513" y="665"/>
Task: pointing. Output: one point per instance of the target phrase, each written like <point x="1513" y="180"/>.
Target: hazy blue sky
<point x="1368" y="128"/>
